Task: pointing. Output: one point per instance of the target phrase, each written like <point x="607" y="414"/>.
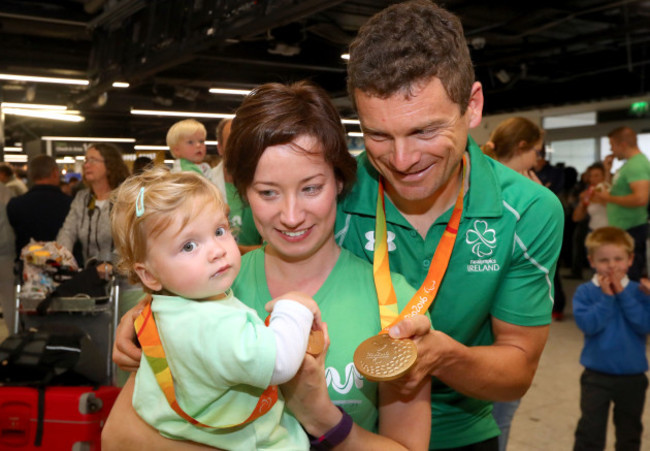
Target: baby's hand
<point x="317" y="337"/>
<point x="303" y="299"/>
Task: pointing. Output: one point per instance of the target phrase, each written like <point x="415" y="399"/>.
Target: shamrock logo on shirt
<point x="484" y="240"/>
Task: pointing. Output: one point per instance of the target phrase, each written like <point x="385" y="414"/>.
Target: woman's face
<point x="94" y="167"/>
<point x="293" y="199"/>
<point x="529" y="156"/>
<point x="596" y="176"/>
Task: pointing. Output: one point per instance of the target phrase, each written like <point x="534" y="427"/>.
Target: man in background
<point x="39" y="213"/>
<point x="627" y="201"/>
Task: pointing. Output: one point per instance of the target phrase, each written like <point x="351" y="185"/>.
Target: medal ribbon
<point x="145" y="326"/>
<point x="425" y="296"/>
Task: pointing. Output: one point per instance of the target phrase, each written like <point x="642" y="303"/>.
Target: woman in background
<point x="516" y="143"/>
<point x="89" y="218"/>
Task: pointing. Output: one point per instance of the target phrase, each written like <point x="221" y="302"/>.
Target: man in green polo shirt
<point x="412" y="82"/>
<point x="627" y="201"/>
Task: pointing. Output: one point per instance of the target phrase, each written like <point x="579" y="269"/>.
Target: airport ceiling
<point x="528" y="54"/>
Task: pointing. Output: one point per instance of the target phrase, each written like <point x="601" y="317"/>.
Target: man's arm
<point x="637" y="198"/>
<point x="502" y="371"/>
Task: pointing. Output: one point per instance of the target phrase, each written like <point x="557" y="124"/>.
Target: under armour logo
<point x="484" y="240"/>
<point x="370" y="244"/>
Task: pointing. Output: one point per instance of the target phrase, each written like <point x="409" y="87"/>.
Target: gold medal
<point x="316" y="342"/>
<point x="382" y="358"/>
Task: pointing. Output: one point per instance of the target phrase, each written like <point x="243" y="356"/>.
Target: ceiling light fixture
<point x="238" y="92"/>
<point x="182" y="114"/>
<point x="13" y="149"/>
<point x="34" y="106"/>
<point x="88" y="139"/>
<point x="15" y="158"/>
<point x="147" y="147"/>
<point x="345" y="56"/>
<point x="34" y="79"/>
<point x="351" y="121"/>
<point x="120" y="84"/>
<point x="44" y="114"/>
<point x="65" y="160"/>
<point x="356" y="134"/>
<point x="158" y="147"/>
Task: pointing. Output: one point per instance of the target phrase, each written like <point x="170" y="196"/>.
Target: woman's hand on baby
<point x="126" y="353"/>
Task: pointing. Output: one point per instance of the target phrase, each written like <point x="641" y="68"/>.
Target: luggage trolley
<point x="96" y="316"/>
<point x="62" y="417"/>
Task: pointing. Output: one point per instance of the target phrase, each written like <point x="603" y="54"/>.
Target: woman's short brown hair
<point x="276" y="114"/>
<point x="116" y="170"/>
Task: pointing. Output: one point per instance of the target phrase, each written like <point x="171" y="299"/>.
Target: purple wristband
<point x="334" y="436"/>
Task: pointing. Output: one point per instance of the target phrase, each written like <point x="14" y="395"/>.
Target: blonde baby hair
<point x="182" y="129"/>
<point x="146" y="204"/>
<point x="609" y="235"/>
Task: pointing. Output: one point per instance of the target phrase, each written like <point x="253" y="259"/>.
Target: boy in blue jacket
<point x="614" y="314"/>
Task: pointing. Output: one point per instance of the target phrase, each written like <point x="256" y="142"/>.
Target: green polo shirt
<point x="635" y="169"/>
<point x="502" y="265"/>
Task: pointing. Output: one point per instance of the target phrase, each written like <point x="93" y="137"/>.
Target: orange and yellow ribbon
<point x="145" y="326"/>
<point x="425" y="296"/>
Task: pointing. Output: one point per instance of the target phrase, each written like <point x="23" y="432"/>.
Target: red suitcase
<point x="73" y="417"/>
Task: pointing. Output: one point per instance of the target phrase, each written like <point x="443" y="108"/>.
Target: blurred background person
<point x="240" y="216"/>
<point x="40" y="212"/>
<point x="587" y="215"/>
<point x="588" y="207"/>
<point x="627" y="201"/>
<point x="9" y="179"/>
<point x="141" y="164"/>
<point x="6" y="261"/>
<point x="89" y="218"/>
<point x="516" y="142"/>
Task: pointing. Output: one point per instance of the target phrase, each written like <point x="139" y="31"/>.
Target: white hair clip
<point x="139" y="203"/>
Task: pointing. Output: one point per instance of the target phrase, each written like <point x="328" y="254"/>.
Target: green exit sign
<point x="639" y="108"/>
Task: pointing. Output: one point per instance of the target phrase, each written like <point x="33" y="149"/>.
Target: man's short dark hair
<point x="624" y="135"/>
<point x="41" y="167"/>
<point x="409" y="43"/>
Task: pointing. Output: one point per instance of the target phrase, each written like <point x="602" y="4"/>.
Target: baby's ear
<point x="148" y="279"/>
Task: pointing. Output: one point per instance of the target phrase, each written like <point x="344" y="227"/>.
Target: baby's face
<point x="198" y="261"/>
<point x="191" y="147"/>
